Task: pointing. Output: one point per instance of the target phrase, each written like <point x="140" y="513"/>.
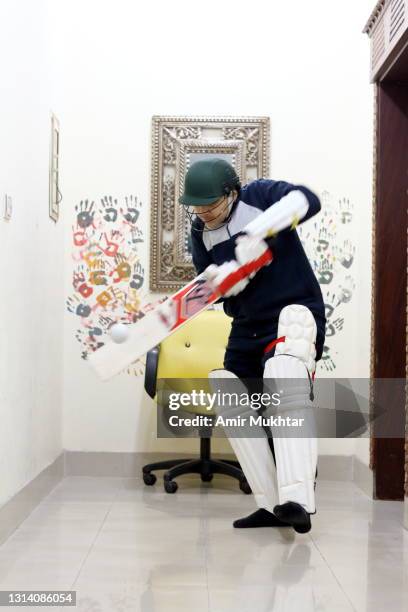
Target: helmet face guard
<point x="225" y="204"/>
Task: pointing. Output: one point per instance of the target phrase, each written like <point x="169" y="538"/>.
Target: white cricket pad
<point x="298" y="325"/>
<point x="294" y="361"/>
<point x="253" y="454"/>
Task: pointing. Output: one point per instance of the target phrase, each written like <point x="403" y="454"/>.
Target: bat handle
<point x="244" y="271"/>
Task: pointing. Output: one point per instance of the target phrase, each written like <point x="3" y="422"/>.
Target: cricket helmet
<point x="208" y="180"/>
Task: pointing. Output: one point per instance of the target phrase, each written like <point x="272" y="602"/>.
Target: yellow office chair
<point x="191" y="353"/>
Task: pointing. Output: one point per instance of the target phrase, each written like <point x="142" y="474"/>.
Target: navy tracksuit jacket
<point x="289" y="279"/>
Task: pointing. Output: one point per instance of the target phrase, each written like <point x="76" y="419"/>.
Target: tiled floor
<point x="123" y="546"/>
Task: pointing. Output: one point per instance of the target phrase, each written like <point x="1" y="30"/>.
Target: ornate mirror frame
<point x="176" y="143"/>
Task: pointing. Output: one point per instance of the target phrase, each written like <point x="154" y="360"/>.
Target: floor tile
<point x="279" y="598"/>
<point x="85" y="489"/>
<point x="132" y="598"/>
<point x="125" y="546"/>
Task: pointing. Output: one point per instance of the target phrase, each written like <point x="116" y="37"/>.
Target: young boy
<point x="278" y="325"/>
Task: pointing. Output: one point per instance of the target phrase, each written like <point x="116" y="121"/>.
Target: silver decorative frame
<point x="175" y="142"/>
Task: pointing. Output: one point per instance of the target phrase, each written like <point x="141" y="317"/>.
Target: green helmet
<point x="207" y="180"/>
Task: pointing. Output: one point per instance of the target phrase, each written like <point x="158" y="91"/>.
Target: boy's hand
<point x="216" y="274"/>
<point x="249" y="248"/>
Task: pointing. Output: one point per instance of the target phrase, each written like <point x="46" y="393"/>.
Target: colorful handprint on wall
<point x="107" y="276"/>
<point x="331" y="253"/>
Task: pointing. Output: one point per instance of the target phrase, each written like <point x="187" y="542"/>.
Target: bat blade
<point x="112" y="358"/>
<point x="153" y="328"/>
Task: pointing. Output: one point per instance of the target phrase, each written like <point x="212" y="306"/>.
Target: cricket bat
<point x="166" y="318"/>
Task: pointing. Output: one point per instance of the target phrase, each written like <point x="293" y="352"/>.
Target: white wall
<point x="306" y="65"/>
<point x="31" y="308"/>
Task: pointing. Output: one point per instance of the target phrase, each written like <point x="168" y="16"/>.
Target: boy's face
<point x="215" y="214"/>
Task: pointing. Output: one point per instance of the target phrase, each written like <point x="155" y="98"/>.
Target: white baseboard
<point x="129" y="465"/>
<point x="406" y="512"/>
<point x="363" y="477"/>
<point x="19" y="507"/>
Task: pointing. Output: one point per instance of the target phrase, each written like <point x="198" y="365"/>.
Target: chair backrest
<point x="197" y="348"/>
<point x="187" y="356"/>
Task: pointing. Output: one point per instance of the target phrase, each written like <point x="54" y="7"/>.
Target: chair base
<point x="205" y="466"/>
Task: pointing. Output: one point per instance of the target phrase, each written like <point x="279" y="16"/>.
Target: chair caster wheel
<point x="207" y="477"/>
<point x="245" y="488"/>
<point x="149" y="479"/>
<point x="170" y="486"/>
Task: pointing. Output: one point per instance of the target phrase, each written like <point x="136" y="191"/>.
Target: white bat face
<point x="167" y="313"/>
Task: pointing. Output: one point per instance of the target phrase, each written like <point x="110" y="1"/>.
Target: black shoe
<point x="260" y="518"/>
<point x="295" y="515"/>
